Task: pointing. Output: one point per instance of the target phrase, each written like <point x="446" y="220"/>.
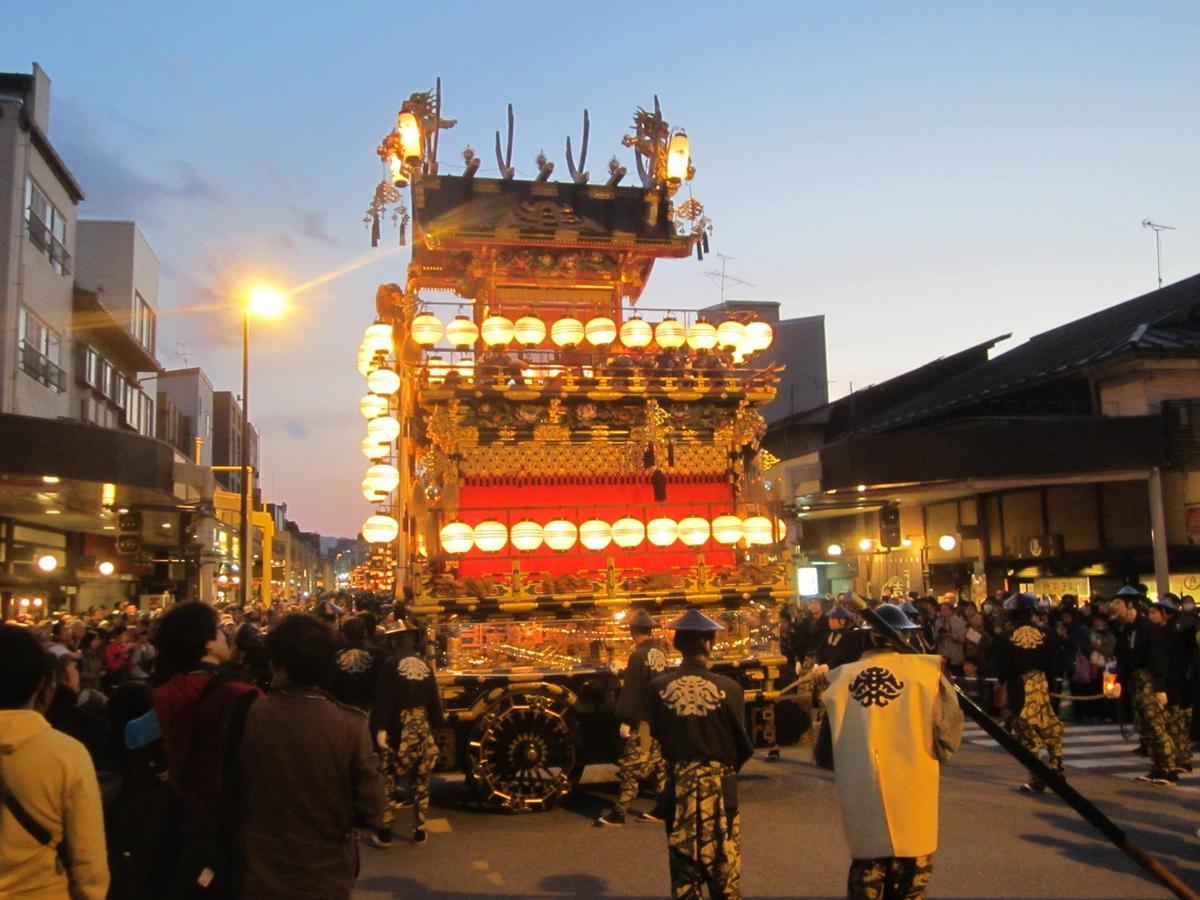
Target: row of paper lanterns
<point x="595" y="534"/>
<point x="635" y="333"/>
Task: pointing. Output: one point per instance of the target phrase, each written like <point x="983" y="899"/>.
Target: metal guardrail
<point x="39" y="367"/>
<point x="46" y="242"/>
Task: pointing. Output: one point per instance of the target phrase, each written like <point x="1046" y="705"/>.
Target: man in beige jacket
<point x="51" y="821"/>
<point x="893" y="719"/>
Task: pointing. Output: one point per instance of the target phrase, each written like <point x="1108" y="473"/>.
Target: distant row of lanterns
<point x="635" y="333"/>
<point x="492" y="536"/>
<point x="381" y="477"/>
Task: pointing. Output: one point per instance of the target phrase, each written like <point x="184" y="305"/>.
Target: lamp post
<point x="266" y="302"/>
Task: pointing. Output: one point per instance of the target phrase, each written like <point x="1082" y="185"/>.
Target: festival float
<point x="547" y="456"/>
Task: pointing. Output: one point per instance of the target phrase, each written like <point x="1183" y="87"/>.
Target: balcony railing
<point x="41" y="368"/>
<point x="48" y="243"/>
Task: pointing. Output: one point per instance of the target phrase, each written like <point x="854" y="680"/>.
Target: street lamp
<point x="265" y="302"/>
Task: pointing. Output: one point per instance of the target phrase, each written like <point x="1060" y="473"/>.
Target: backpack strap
<point x="36" y="830"/>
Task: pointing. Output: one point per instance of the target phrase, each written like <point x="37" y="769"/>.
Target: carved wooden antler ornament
<point x="507" y="172"/>
<point x="579" y="175"/>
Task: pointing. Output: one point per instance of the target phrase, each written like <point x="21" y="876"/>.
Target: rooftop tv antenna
<point x="1158" y="230"/>
<point x="181" y="350"/>
<point x="722" y="279"/>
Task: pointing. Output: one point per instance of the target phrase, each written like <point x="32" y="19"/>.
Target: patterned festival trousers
<point x="414" y="759"/>
<point x="638" y="763"/>
<point x="889" y="878"/>
<point x="704" y="840"/>
<point x="1152" y="721"/>
<point x="1179" y="726"/>
<point x="1036" y="726"/>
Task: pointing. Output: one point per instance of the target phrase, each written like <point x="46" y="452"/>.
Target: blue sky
<point x="925" y="175"/>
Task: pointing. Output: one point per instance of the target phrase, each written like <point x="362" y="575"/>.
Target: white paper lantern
<point x="457" y="537"/>
<point x="662" y="532"/>
<point x="380" y="529"/>
<point x="758" y="530"/>
<point x="701" y="335"/>
<point x="560" y="534"/>
<point x="426" y="329"/>
<point x="367" y="361"/>
<point x="378" y="338"/>
<point x="372" y="449"/>
<point x="670" y="333"/>
<point x="383" y="477"/>
<point x="636" y="333"/>
<point x="694" y="531"/>
<point x="383" y="429"/>
<point x="497" y="331"/>
<point x="436" y="368"/>
<point x="628" y="532"/>
<point x="529" y="331"/>
<point x="372" y="405"/>
<point x="567" y="332"/>
<point x="731" y="334"/>
<point x="383" y="381"/>
<point x="595" y="534"/>
<point x="461" y="332"/>
<point x="491" y="536"/>
<point x="758" y="336"/>
<point x="526" y="535"/>
<point x="727" y="529"/>
<point x="370" y="493"/>
<point x="600" y="331"/>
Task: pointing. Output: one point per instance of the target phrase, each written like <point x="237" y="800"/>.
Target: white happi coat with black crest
<point x="881" y="716"/>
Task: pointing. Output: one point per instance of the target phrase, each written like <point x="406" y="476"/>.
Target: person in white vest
<point x="892" y="719"/>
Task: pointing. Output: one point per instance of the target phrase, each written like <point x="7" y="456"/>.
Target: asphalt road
<point x="995" y="842"/>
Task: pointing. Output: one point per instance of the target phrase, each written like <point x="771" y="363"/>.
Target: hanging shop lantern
<point x="436" y="368"/>
<point x="701" y="335"/>
<point x="567" y="332"/>
<point x="679" y="159"/>
<point x="372" y="405"/>
<point x="497" y="331"/>
<point x="426" y="329"/>
<point x="526" y="535"/>
<point x="662" y="532"/>
<point x="636" y="333"/>
<point x="694" y="531"/>
<point x="600" y="331"/>
<point x="380" y="529"/>
<point x="457" y="537"/>
<point x="727" y="529"/>
<point x="731" y="334"/>
<point x="595" y="534"/>
<point x="382" y="478"/>
<point x="383" y="429"/>
<point x="628" y="532"/>
<point x="461" y="332"/>
<point x="408" y="129"/>
<point x="383" y="381"/>
<point x="372" y="449"/>
<point x="758" y="336"/>
<point x="560" y="534"/>
<point x="670" y="333"/>
<point x="378" y="338"/>
<point x="529" y="331"/>
<point x="758" y="530"/>
<point x="491" y="536"/>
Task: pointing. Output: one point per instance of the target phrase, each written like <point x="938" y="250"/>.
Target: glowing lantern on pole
<point x="526" y="535"/>
<point x="567" y="332"/>
<point x="595" y="534"/>
<point x="437" y="368"/>
<point x="694" y="531"/>
<point x="461" y="332"/>
<point x="372" y="405"/>
<point x="383" y="478"/>
<point x="670" y="333"/>
<point x="383" y="381"/>
<point x="380" y="529"/>
<point x="758" y="336"/>
<point x="727" y="529"/>
<point x="378" y="338"/>
<point x="426" y="329"/>
<point x="662" y="532"/>
<point x="679" y="158"/>
<point x="491" y="536"/>
<point x="529" y="331"/>
<point x="372" y="449"/>
<point x="628" y="532"/>
<point x="600" y="331"/>
<point x="701" y="335"/>
<point x="636" y="333"/>
<point x="367" y="361"/>
<point x="383" y="429"/>
<point x="731" y="334"/>
<point x="497" y="331"/>
<point x="758" y="530"/>
<point x="457" y="537"/>
<point x="408" y="129"/>
<point x="560" y="534"/>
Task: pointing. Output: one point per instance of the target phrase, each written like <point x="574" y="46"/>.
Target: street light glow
<point x="265" y="301"/>
<point x="47" y="563"/>
<point x="947" y="542"/>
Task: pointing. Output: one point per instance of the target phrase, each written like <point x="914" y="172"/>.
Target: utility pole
<point x="1158" y="230"/>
